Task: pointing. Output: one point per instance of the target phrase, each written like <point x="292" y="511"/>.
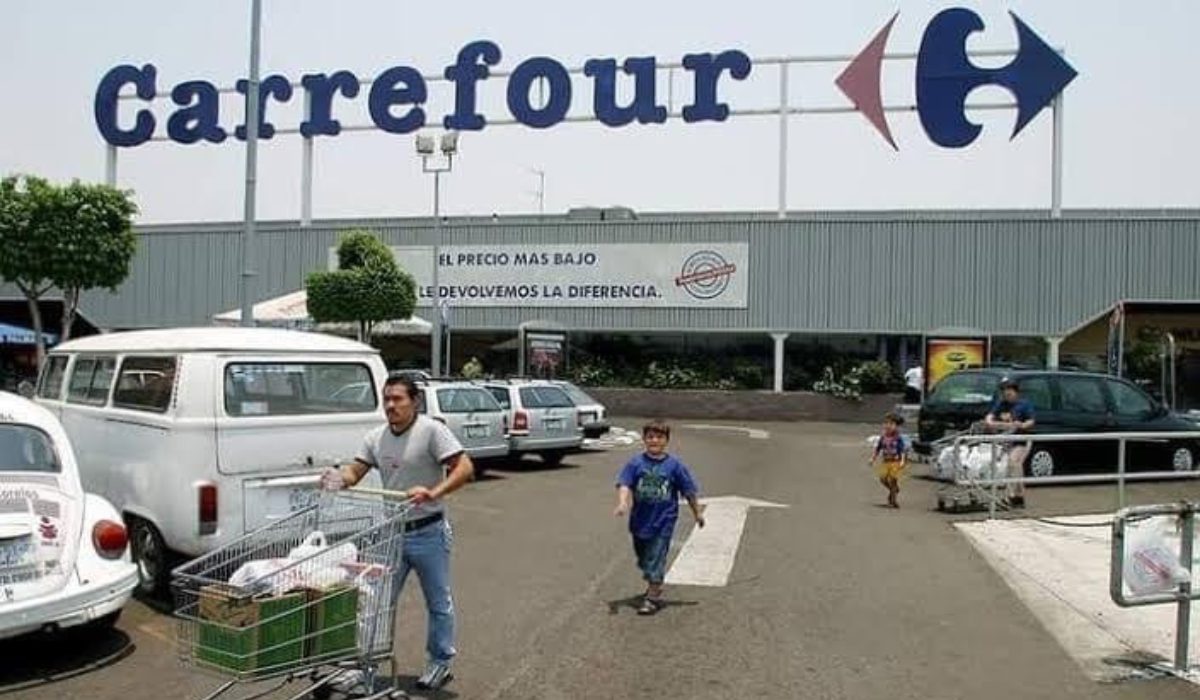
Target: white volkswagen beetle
<point x="64" y="556"/>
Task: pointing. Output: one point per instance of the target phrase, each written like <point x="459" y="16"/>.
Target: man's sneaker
<point x="1017" y="501"/>
<point x="436" y="676"/>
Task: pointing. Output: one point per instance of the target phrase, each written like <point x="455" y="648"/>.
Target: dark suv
<point x="1065" y="402"/>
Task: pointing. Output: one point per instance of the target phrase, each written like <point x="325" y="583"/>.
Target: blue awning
<point x="16" y="335"/>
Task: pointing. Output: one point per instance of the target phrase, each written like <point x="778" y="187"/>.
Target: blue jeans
<point x="427" y="551"/>
<point x="652" y="556"/>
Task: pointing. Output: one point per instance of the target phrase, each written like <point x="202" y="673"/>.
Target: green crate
<point x="249" y="635"/>
<point x="333" y="622"/>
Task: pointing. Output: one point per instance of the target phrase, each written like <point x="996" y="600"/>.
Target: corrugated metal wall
<point x="907" y="274"/>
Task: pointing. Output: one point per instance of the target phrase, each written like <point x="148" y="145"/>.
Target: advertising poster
<point x="545" y="353"/>
<point x="947" y="355"/>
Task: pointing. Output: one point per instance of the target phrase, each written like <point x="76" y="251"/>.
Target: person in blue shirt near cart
<point x="648" y="489"/>
<point x="1013" y="414"/>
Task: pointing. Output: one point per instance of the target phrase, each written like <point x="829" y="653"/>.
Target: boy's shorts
<point x="890" y="469"/>
<point x="652" y="556"/>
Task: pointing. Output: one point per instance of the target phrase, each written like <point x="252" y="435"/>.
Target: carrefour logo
<point x="945" y="76"/>
<point x="540" y="92"/>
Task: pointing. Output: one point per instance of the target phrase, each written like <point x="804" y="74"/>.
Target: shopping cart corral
<point x="307" y="599"/>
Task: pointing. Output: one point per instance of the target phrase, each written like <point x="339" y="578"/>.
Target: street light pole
<point x="248" y="232"/>
<point x="425" y="148"/>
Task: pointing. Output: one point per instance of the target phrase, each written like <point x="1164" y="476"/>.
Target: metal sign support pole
<point x="110" y="165"/>
<point x="306" y="168"/>
<point x="248" y="233"/>
<point x="1056" y="159"/>
<point x="783" y="139"/>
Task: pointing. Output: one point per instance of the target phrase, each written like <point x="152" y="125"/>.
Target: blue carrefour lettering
<point x="199" y="118"/>
<point x="945" y="76"/>
<point x="604" y="103"/>
<point x="558" y="92"/>
<point x="105" y="106"/>
<point x="275" y="86"/>
<point x="398" y="86"/>
<point x="708" y="69"/>
<point x="465" y="72"/>
<point x="321" y="89"/>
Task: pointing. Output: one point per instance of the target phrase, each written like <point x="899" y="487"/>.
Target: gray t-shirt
<point x="412" y="458"/>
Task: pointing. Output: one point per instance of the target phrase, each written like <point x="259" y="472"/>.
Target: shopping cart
<point x="967" y="475"/>
<point x="307" y="598"/>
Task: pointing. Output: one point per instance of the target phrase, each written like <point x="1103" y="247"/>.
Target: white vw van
<point x="198" y="435"/>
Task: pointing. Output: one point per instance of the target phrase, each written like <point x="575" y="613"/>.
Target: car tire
<point x="149" y="553"/>
<point x="1183" y="458"/>
<point x="1040" y="463"/>
<point x="553" y="458"/>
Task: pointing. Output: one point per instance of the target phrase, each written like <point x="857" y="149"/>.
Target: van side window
<point x="90" y="380"/>
<point x="51" y="384"/>
<point x="145" y="384"/>
<point x="1082" y="395"/>
<point x="298" y="388"/>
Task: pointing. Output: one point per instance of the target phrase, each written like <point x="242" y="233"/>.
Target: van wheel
<point x="553" y="458"/>
<point x="1041" y="462"/>
<point x="1183" y="459"/>
<point x="149" y="553"/>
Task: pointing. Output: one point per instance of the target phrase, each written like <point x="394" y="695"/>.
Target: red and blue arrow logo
<point x="945" y="76"/>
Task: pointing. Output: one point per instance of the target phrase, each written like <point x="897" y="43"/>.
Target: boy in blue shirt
<point x="648" y="489"/>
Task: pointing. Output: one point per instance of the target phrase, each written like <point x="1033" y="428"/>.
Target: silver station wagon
<point x="471" y="413"/>
<point x="542" y="418"/>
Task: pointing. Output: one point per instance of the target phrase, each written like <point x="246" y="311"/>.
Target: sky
<point x="1131" y="117"/>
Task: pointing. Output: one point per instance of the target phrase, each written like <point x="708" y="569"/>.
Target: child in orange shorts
<point x="890" y="456"/>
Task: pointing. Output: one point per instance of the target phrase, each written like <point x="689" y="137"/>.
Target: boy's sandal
<point x="649" y="606"/>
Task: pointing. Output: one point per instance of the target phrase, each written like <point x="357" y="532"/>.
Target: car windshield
<point x="465" y="400"/>
<point x="966" y="388"/>
<point x="579" y="396"/>
<point x="24" y="448"/>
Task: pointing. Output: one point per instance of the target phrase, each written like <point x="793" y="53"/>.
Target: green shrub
<point x="876" y="377"/>
<point x="846" y="387"/>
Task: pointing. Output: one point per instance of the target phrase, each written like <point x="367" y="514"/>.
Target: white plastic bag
<point x="311" y="564"/>
<point x="973" y="462"/>
<point x="1151" y="562"/>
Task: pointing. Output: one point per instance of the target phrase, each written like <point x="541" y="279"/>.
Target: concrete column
<point x="779" y="338"/>
<point x="1052" y="347"/>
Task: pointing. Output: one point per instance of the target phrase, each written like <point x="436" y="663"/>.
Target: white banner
<point x="700" y="275"/>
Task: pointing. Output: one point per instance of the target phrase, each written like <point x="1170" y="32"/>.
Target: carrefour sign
<point x="398" y="96"/>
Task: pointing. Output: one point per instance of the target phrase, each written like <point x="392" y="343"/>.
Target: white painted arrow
<point x="708" y="555"/>
<point x="752" y="433"/>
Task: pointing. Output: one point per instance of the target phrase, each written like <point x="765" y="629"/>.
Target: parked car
<point x="1064" y="402"/>
<point x="472" y="414"/>
<point x="198" y="435"/>
<point x="542" y="418"/>
<point x="64" y="555"/>
<point x="593" y="417"/>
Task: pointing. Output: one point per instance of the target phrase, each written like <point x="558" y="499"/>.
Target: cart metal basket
<point x="306" y="597"/>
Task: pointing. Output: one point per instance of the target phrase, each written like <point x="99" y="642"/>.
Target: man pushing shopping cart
<point x="312" y="596"/>
<point x="421" y="457"/>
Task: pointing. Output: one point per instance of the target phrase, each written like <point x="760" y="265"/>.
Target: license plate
<point x="477" y="431"/>
<point x="301" y="498"/>
<point x="554" y="423"/>
<point x="16" y="553"/>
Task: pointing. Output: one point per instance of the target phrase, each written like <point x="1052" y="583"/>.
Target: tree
<point x="95" y="244"/>
<point x="368" y="286"/>
<point x="76" y="238"/>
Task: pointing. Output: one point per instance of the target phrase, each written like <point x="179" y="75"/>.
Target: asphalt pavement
<point x="832" y="597"/>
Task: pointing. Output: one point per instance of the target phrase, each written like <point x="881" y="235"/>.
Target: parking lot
<point x="833" y="596"/>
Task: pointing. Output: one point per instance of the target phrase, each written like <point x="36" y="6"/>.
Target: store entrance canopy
<point x="291" y="311"/>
